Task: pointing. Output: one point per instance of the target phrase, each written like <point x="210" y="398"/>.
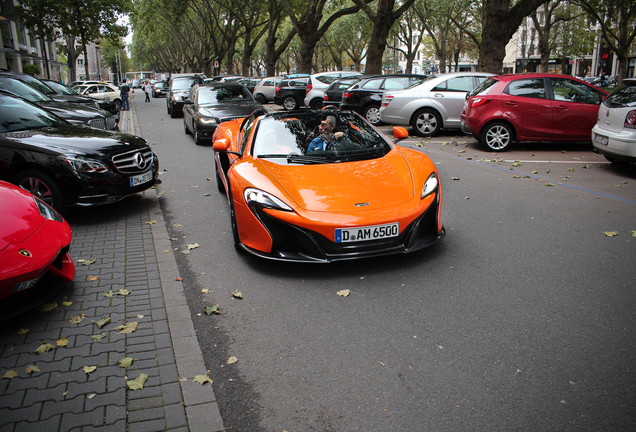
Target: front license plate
<point x="600" y="139"/>
<point x="25" y="285"/>
<point x="140" y="179"/>
<point x="346" y="235"/>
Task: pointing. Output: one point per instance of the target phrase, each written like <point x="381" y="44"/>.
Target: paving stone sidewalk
<point x="128" y="248"/>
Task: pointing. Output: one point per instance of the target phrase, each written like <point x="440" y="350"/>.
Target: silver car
<point x="265" y="90"/>
<point x="432" y="105"/>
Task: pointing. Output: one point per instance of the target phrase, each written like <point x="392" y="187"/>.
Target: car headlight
<point x="207" y="120"/>
<point x="85" y="165"/>
<point x="176" y="98"/>
<point x="264" y="199"/>
<point x="47" y="211"/>
<point x="431" y="185"/>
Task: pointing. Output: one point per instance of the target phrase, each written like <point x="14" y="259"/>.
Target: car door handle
<point x="511" y="103"/>
<point x="438" y="95"/>
<point x="561" y="107"/>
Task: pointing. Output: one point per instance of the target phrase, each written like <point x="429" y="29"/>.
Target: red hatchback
<point x="531" y="107"/>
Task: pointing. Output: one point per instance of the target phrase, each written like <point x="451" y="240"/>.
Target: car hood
<point x="344" y="187"/>
<point x="71" y="98"/>
<point x="79" y="140"/>
<point x="17" y="224"/>
<point x="68" y="110"/>
<point x="230" y="110"/>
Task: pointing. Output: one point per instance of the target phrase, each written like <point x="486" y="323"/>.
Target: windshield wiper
<point x="271" y="155"/>
<point x="307" y="159"/>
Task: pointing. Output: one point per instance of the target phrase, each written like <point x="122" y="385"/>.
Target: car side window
<point x="92" y="89"/>
<point x="268" y="83"/>
<point x="532" y="88"/>
<point x="246" y="131"/>
<point x="566" y="90"/>
<point x="372" y="84"/>
<point x="457" y="84"/>
<point x="396" y="83"/>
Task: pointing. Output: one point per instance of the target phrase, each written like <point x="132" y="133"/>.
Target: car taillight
<point x="347" y="95"/>
<point x="308" y="89"/>
<point x="277" y="89"/>
<point x="478" y="101"/>
<point x="387" y="100"/>
<point x="326" y="96"/>
<point x="630" y="120"/>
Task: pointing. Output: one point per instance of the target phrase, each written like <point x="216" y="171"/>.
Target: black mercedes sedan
<point x="72" y="112"/>
<point x="210" y="104"/>
<point x="69" y="165"/>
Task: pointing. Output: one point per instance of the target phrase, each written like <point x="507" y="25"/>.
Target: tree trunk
<point x="377" y="44"/>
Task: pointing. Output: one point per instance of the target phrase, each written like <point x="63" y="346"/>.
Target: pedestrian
<point x="123" y="91"/>
<point x="147" y="90"/>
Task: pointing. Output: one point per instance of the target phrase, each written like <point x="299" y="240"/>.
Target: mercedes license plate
<point x="140" y="179"/>
<point x="377" y="232"/>
<point x="600" y="139"/>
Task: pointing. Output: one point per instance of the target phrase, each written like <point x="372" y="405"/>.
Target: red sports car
<point x="531" y="107"/>
<point x="34" y="244"/>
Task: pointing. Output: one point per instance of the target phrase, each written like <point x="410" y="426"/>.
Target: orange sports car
<point x="322" y="186"/>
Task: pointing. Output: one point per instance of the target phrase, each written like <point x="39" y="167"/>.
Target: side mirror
<point x="400" y="133"/>
<point x="221" y="145"/>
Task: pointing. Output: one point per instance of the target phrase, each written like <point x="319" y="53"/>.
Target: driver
<point x="327" y="137"/>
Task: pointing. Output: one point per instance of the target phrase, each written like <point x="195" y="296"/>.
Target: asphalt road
<point x="522" y="318"/>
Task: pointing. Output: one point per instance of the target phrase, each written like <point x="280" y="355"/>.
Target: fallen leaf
<point x="76" y="319"/>
<point x="62" y="342"/>
<point x="185" y="251"/>
<point x="32" y="368"/>
<point x="205" y="290"/>
<point x="125" y="362"/>
<point x="454" y="178"/>
<point x="344" y="293"/>
<point x="67" y="303"/>
<point x="570" y="169"/>
<point x="238" y="295"/>
<point x="535" y="172"/>
<point x="202" y="379"/>
<point x="211" y="309"/>
<point x="102" y="322"/>
<point x="151" y="222"/>
<point x="611" y="233"/>
<point x="137" y="384"/>
<point x="549" y="184"/>
<point x="22" y="331"/>
<point x="206" y="194"/>
<point x="109" y="294"/>
<point x="232" y="360"/>
<point x="47" y="307"/>
<point x="10" y="374"/>
<point x="89" y="369"/>
<point x="516" y="164"/>
<point x="99" y="337"/>
<point x="179" y="279"/>
<point x="193" y="246"/>
<point x="140" y="316"/>
<point x="166" y="251"/>
<point x="86" y="262"/>
<point x="91" y="396"/>
<point x="127" y="328"/>
<point x="92" y="278"/>
<point x="123" y="292"/>
<point x="177" y="225"/>
<point x="588" y="166"/>
<point x="44" y="347"/>
<point x="633" y="233"/>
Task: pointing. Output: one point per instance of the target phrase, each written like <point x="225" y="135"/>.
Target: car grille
<point x="226" y="119"/>
<point x="97" y="123"/>
<point x="135" y="161"/>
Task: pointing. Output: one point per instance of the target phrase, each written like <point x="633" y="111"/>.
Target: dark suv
<point x="365" y="97"/>
<point x="333" y="94"/>
<point x="290" y="93"/>
<point x="178" y="90"/>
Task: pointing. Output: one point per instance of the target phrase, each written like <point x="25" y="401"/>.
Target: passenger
<point x="327" y="137"/>
<point x="270" y="143"/>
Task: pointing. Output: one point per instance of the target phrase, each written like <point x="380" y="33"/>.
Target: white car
<point x="102" y="91"/>
<point x="265" y="90"/>
<point x="614" y="135"/>
<point x="319" y="82"/>
<point x="433" y="105"/>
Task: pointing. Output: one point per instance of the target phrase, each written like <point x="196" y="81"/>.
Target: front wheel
<point x="289" y="103"/>
<point x="260" y="98"/>
<point x="197" y="139"/>
<point x="497" y="136"/>
<point x="185" y="127"/>
<point x="426" y="123"/>
<point x="372" y="114"/>
<point x="316" y="104"/>
<point x="43" y="186"/>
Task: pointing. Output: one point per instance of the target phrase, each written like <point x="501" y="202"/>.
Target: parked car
<point x="333" y="93"/>
<point x="159" y="89"/>
<point x="72" y="112"/>
<point x="61" y="89"/>
<point x="290" y="93"/>
<point x="365" y="97"/>
<point x="265" y="90"/>
<point x="223" y="78"/>
<point x="34" y="246"/>
<point x="250" y="83"/>
<point x="210" y="104"/>
<point x="178" y="90"/>
<point x="614" y="135"/>
<point x="364" y="197"/>
<point x="69" y="165"/>
<point x="76" y="83"/>
<point x="531" y="107"/>
<point x="136" y="83"/>
<point x="433" y="105"/>
<point x="104" y="92"/>
<point x="318" y="83"/>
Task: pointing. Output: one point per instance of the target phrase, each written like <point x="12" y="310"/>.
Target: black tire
<point x="168" y="108"/>
<point x="372" y="114"/>
<point x="117" y="103"/>
<point x="173" y="114"/>
<point x="235" y="235"/>
<point x="290" y="103"/>
<point x="260" y="98"/>
<point x="197" y="139"/>
<point x="43" y="186"/>
<point x="497" y="136"/>
<point x="426" y="122"/>
<point x="316" y="104"/>
<point x="219" y="182"/>
<point x="185" y="127"/>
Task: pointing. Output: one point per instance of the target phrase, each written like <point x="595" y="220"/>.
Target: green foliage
<point x="31" y="69"/>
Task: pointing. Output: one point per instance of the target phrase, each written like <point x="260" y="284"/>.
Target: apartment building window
<point x="7" y="35"/>
<point x="80" y="62"/>
<point x="21" y="36"/>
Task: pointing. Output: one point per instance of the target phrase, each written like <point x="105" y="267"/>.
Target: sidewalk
<point x="130" y="244"/>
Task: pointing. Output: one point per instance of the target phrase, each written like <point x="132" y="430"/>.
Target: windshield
<point x="623" y="96"/>
<point x="18" y="115"/>
<point x="60" y="88"/>
<point x="183" y="83"/>
<point x="304" y="139"/>
<point x="23" y="90"/>
<point x="483" y="88"/>
<point x="36" y="83"/>
<point x="214" y="95"/>
<point x="420" y="81"/>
